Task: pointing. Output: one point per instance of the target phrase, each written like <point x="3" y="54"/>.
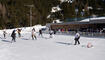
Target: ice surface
<point x="60" y="47"/>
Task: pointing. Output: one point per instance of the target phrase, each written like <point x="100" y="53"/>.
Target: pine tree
<point x="16" y="14"/>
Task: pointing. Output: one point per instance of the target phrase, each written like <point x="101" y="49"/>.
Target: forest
<point x="16" y="13"/>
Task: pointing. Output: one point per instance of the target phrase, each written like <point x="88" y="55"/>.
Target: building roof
<point x="97" y="21"/>
<point x="101" y="21"/>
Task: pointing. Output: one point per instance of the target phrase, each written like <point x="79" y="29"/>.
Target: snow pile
<point x="38" y="27"/>
<point x="29" y="29"/>
<point x="25" y="29"/>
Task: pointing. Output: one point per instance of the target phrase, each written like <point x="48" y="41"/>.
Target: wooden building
<point x="82" y="26"/>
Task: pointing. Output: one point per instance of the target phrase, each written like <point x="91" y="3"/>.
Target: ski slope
<point x="60" y="47"/>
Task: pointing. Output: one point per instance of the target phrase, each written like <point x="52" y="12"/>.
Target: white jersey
<point x="51" y="32"/>
<point x="33" y="32"/>
<point x="77" y="35"/>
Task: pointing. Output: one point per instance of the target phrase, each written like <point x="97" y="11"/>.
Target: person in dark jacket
<point x="77" y="37"/>
<point x="4" y="33"/>
<point x="40" y="32"/>
<point x="51" y="32"/>
<point x="54" y="31"/>
<point x="13" y="35"/>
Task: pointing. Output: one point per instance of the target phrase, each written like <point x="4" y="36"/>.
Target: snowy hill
<point x="60" y="47"/>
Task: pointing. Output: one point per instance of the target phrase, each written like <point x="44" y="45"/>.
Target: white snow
<point x="60" y="47"/>
<point x="69" y="1"/>
<point x="57" y="21"/>
<point x="63" y="1"/>
<point x="48" y="16"/>
<point x="90" y="7"/>
<point x="95" y="18"/>
<point x="85" y="20"/>
<point x="56" y="9"/>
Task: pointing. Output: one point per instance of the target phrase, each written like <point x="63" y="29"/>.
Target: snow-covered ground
<point x="96" y="18"/>
<point x="60" y="47"/>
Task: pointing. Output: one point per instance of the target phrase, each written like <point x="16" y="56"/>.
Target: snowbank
<point x="25" y="29"/>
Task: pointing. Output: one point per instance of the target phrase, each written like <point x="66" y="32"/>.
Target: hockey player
<point x="4" y="33"/>
<point x="13" y="35"/>
<point x="50" y="32"/>
<point x="77" y="37"/>
<point x="33" y="34"/>
<point x="40" y="32"/>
